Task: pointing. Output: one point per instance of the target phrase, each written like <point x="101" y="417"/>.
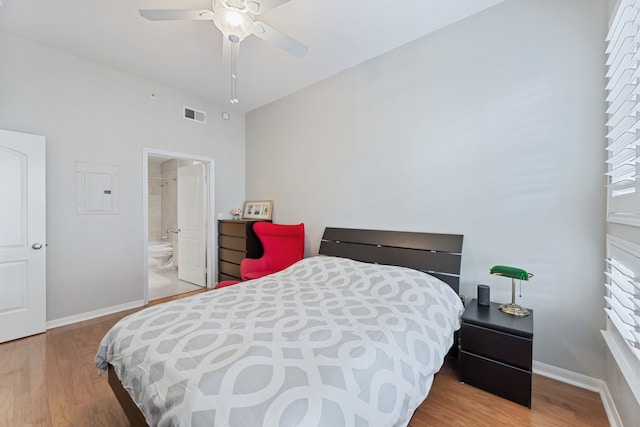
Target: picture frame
<point x="257" y="209"/>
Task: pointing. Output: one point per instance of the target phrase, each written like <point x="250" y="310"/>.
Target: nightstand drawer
<point x="504" y="380"/>
<point x="497" y="345"/>
<point x="230" y="255"/>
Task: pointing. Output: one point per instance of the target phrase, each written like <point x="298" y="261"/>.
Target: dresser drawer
<point x="235" y="243"/>
<point x="222" y="277"/>
<point x="504" y="380"/>
<point x="230" y="255"/>
<point x="237" y="229"/>
<point x="229" y="269"/>
<point x="497" y="345"/>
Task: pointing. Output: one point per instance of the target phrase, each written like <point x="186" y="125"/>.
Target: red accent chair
<point x="283" y="246"/>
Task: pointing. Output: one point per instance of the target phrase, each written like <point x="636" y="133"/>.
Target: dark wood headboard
<point x="437" y="254"/>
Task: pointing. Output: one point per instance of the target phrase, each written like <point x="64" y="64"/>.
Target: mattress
<point x="327" y="342"/>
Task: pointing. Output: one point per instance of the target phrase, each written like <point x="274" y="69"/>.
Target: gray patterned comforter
<point x="327" y="342"/>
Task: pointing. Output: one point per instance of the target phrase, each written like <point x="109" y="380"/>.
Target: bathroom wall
<point x="154" y="201"/>
<point x="163" y="197"/>
<point x="169" y="170"/>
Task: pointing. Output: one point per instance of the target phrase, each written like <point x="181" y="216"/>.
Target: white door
<point x="22" y="235"/>
<point x="192" y="224"/>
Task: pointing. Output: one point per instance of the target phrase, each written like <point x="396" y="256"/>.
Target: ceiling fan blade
<point x="177" y="14"/>
<point x="258" y="7"/>
<point x="283" y="41"/>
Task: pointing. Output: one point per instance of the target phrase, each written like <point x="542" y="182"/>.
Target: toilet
<point x="160" y="253"/>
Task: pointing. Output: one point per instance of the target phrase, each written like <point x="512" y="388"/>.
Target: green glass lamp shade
<point x="512" y="272"/>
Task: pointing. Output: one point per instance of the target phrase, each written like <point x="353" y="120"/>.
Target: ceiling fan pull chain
<point x="234" y="67"/>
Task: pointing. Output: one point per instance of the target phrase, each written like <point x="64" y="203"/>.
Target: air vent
<point x="195" y="115"/>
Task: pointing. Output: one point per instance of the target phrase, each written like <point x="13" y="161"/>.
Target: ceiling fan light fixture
<point x="236" y="20"/>
<point x="232" y="22"/>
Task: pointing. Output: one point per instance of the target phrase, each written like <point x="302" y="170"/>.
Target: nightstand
<point x="496" y="351"/>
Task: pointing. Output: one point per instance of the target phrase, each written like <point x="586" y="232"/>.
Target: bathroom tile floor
<point x="164" y="282"/>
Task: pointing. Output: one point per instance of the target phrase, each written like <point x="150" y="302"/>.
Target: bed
<point x="350" y="337"/>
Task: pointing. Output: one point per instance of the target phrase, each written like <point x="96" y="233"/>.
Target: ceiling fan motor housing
<point x="235" y="24"/>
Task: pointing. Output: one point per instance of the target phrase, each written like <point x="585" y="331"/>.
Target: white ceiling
<point x="186" y="55"/>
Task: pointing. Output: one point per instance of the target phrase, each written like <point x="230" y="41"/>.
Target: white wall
<point x="492" y="128"/>
<point x="90" y="113"/>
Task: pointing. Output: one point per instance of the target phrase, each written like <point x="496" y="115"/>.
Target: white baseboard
<point x="610" y="407"/>
<point x="585" y="382"/>
<point x="63" y="321"/>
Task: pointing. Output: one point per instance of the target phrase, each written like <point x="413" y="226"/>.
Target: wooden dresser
<point x="236" y="241"/>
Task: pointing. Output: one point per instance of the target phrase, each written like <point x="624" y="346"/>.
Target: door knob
<point x="36" y="246"/>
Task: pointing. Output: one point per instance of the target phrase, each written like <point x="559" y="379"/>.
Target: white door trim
<point x="212" y="248"/>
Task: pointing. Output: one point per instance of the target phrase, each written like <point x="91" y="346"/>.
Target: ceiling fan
<point x="236" y="19"/>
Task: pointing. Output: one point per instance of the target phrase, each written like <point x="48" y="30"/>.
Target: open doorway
<point x="178" y="237"/>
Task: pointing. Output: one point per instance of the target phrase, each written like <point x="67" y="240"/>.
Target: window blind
<point x="623" y="109"/>
<point x="622" y="308"/>
<point x="623" y="302"/>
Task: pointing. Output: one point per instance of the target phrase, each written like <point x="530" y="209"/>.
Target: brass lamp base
<point x="514" y="310"/>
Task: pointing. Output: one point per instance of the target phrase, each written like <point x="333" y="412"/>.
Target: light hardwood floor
<point x="554" y="404"/>
<point x="50" y="380"/>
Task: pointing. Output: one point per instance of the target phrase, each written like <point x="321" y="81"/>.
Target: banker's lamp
<point x="514" y="273"/>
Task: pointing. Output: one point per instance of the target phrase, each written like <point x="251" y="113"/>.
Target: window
<point x="623" y="113"/>
<point x="622" y="271"/>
